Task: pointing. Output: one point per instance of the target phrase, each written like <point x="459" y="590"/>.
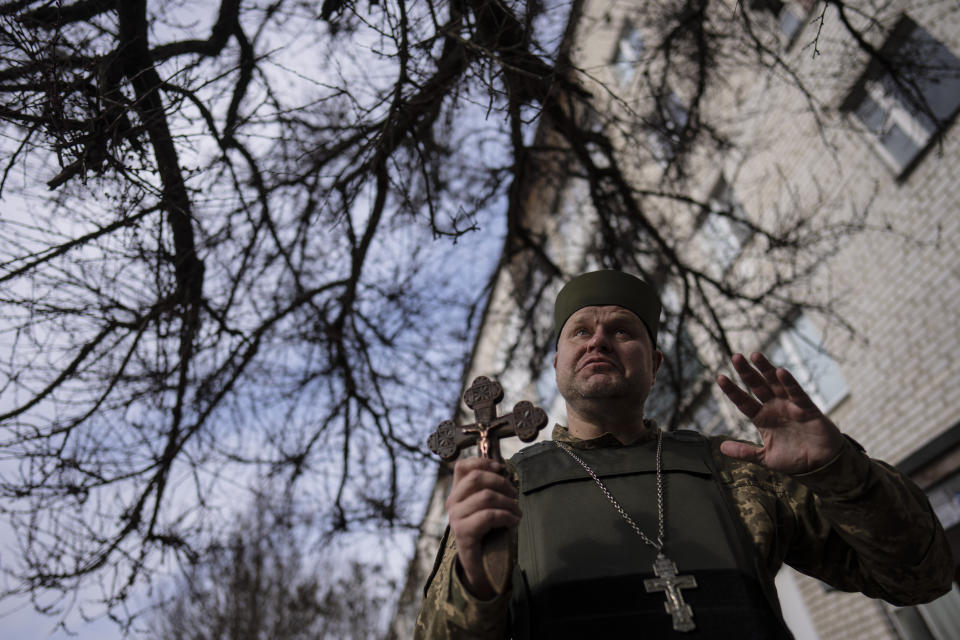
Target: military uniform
<point x="854" y="523"/>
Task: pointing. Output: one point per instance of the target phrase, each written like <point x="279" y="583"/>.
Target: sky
<point x="23" y="623"/>
<point x="18" y="618"/>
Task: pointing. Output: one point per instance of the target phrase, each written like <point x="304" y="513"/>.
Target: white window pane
<point x="873" y="116"/>
<point x="708" y="419"/>
<point x="634" y="43"/>
<point x="799" y="350"/>
<point x="943" y="615"/>
<point x="723" y="235"/>
<point x="904" y="112"/>
<point x="778" y="357"/>
<point x="546" y="383"/>
<point x="910" y="624"/>
<point x="790" y="23"/>
<point x="945" y="500"/>
<point x="939" y="77"/>
<point x="723" y="241"/>
<point x="629" y="50"/>
<point x="669" y="119"/>
<point x="902" y="147"/>
<point x="823" y="371"/>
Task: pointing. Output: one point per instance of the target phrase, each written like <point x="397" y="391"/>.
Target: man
<point x="624" y="531"/>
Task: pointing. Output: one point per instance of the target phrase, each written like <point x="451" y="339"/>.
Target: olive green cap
<point x="607" y="287"/>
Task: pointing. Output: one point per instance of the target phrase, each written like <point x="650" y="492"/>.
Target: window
<point x="574" y="217"/>
<point x="940" y="619"/>
<point x="789" y="16"/>
<point x="945" y="500"/>
<point x="937" y="620"/>
<point x="679" y="371"/>
<point x="707" y="418"/>
<point x="799" y="349"/>
<point x="668" y="122"/>
<point x="720" y="230"/>
<point x="546" y="383"/>
<point x="902" y="113"/>
<point x="681" y="368"/>
<point x="790" y="24"/>
<point x="627" y="54"/>
<point x="934" y="468"/>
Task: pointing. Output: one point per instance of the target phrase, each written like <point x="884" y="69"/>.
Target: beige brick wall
<point x="899" y="289"/>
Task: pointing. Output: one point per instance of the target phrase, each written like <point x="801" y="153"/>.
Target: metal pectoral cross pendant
<point x="670" y="583"/>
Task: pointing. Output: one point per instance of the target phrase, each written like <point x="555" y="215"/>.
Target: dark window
<point x="773" y="6"/>
<point x="799" y="348"/>
<point x="790" y="24"/>
<point x="627" y="55"/>
<point x="940" y="619"/>
<point x="789" y="16"/>
<point x="908" y="95"/>
<point x="680" y="370"/>
<point x="668" y="122"/>
<point x="721" y="229"/>
<point x="707" y="418"/>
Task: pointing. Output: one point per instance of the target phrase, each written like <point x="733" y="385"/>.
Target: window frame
<point x="877" y="86"/>
<point x="791" y="341"/>
<point x="719" y="229"/>
<point x="668" y="121"/>
<point x="626" y="55"/>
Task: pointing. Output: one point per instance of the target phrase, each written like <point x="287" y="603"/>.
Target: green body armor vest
<point x="581" y="567"/>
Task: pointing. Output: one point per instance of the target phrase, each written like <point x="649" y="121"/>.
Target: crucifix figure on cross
<point x="482" y="396"/>
<point x="449" y="440"/>
<point x="670" y="583"/>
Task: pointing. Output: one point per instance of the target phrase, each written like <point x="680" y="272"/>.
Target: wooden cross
<point x="449" y="440"/>
<point x="482" y="396"/>
<point x="670" y="583"/>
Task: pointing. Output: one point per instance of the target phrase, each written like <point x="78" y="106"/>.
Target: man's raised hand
<point x="797" y="437"/>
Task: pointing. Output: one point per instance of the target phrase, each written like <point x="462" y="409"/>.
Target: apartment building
<point x="884" y="360"/>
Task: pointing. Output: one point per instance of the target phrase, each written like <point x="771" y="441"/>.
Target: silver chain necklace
<point x="665" y="569"/>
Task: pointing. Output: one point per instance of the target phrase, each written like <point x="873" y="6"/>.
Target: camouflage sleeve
<point x="450" y="612"/>
<point x="855" y="523"/>
<point x="863" y="526"/>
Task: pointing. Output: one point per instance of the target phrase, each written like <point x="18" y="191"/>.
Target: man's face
<point x="605" y="352"/>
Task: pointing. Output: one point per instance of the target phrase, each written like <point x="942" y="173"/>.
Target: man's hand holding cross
<point x="482" y="504"/>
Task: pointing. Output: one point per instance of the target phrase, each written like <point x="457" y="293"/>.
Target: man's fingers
<point x="769" y="374"/>
<point x="465" y="466"/>
<point x="475" y="479"/>
<point x="741" y="451"/>
<point x="473" y="474"/>
<point x="481" y="499"/>
<point x="485" y="499"/>
<point x="478" y="512"/>
<point x="471" y="529"/>
<point x="746" y="403"/>
<point x="755" y="382"/>
<point x="796" y="393"/>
